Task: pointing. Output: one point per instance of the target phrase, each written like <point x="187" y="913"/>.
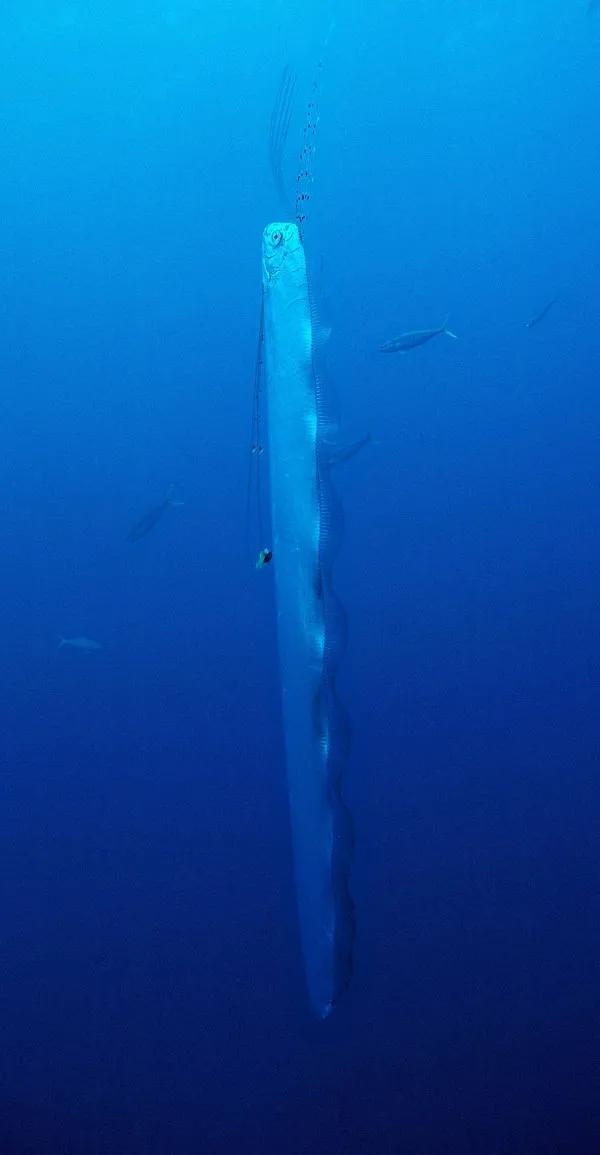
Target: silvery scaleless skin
<point x="302" y="518"/>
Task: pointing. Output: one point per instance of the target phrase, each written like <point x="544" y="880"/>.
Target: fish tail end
<point x="448" y="332"/>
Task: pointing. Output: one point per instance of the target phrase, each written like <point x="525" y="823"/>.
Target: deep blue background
<point x="151" y="994"/>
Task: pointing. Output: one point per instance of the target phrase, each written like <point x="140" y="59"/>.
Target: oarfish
<point x="310" y="623"/>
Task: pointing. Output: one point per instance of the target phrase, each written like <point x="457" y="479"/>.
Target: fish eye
<point x="277" y="237"/>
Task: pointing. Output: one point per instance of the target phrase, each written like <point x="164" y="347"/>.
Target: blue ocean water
<point x="151" y="988"/>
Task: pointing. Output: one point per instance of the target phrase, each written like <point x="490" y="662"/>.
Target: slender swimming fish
<point x="340" y="456"/>
<point x="310" y="624"/>
<point x="535" y="320"/>
<point x="81" y="643"/>
<point x="407" y="341"/>
<point x="150" y="518"/>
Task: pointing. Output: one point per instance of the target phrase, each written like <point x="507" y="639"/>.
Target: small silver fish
<point x="535" y="320"/>
<point x="82" y="643"/>
<point x="407" y="341"/>
<point x="150" y="518"/>
<point x="340" y="456"/>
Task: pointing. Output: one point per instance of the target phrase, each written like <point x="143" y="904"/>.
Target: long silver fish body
<point x="407" y="341"/>
<point x="301" y="524"/>
<point x="81" y="643"/>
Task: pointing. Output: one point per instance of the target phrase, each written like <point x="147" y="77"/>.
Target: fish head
<point x="280" y="242"/>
